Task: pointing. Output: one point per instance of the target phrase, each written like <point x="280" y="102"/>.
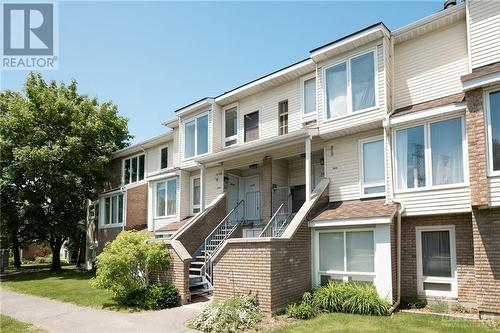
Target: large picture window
<point x="493" y="124"/>
<point x="430" y="155"/>
<point x="373" y="167"/>
<point x="196" y="136"/>
<point x="350" y="86"/>
<point x="166" y="198"/>
<point x="113" y="210"/>
<point x="133" y="169"/>
<point x="347" y="256"/>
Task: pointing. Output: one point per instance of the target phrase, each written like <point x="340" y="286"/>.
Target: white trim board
<point x="428" y="113"/>
<point x="350" y="222"/>
<point x="482" y="81"/>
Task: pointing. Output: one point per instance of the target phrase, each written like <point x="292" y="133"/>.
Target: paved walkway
<point x="59" y="317"/>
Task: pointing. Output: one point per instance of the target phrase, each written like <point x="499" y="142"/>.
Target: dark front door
<point x="298" y="197"/>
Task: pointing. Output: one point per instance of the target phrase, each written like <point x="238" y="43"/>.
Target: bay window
<point x="493" y="128"/>
<point x="373" y="167"/>
<point x="346" y="256"/>
<point x="196" y="136"/>
<point x="350" y="86"/>
<point x="436" y="263"/>
<point x="133" y="169"/>
<point x="231" y="126"/>
<point x="113" y="210"/>
<point x="309" y="96"/>
<point x="166" y="198"/>
<point x="430" y="155"/>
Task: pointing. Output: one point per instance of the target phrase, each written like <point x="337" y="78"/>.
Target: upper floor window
<point x="309" y="96"/>
<point x="283" y="117"/>
<point x="164" y="158"/>
<point x="166" y="198"/>
<point x="113" y="209"/>
<point x="196" y="136"/>
<point x="252" y="126"/>
<point x="430" y="155"/>
<point x="493" y="124"/>
<point x="373" y="167"/>
<point x="231" y="126"/>
<point x="350" y="85"/>
<point x="133" y="169"/>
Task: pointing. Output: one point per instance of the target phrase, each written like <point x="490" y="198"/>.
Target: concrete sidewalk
<point x="59" y="317"/>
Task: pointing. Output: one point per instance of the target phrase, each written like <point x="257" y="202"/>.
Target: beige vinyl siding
<point x="184" y="200"/>
<point x="343" y="166"/>
<point x="190" y="162"/>
<point x="356" y="118"/>
<point x="484" y="32"/>
<point x="429" y="67"/>
<point x="214" y="182"/>
<point x="436" y="201"/>
<point x="217" y="128"/>
<point x="297" y="168"/>
<point x="494" y="189"/>
<point x="388" y="64"/>
<point x="280" y="173"/>
<point x="153" y="156"/>
<point x="176" y="159"/>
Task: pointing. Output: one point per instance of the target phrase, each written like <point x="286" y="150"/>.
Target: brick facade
<point x="464" y="253"/>
<point x="106" y="235"/>
<point x="137" y="207"/>
<point x="477" y="147"/>
<point x="486" y="232"/>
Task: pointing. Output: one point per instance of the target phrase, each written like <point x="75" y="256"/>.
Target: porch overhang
<point x="259" y="146"/>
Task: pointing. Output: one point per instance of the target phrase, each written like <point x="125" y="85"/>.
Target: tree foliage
<point x="124" y="265"/>
<point x="55" y="144"/>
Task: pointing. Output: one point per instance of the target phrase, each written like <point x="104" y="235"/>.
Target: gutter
<point x="396" y="304"/>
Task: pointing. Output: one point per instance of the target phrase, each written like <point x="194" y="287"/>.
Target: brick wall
<point x="477" y="147"/>
<point x="464" y="251"/>
<point x="486" y="232"/>
<point x="137" y="206"/>
<point x="177" y="274"/>
<point x="196" y="234"/>
<point x="106" y="235"/>
<point x="114" y="170"/>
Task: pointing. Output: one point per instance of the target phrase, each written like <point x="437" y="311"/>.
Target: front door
<point x="252" y="197"/>
<point x="233" y="190"/>
<point x="298" y="197"/>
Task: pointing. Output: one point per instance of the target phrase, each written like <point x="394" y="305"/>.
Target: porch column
<point x="267" y="189"/>
<point x="202" y="187"/>
<point x="308" y="168"/>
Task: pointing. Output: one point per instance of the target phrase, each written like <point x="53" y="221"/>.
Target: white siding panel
<point x="153" y="165"/>
<point x="217" y="132"/>
<point x="438" y="201"/>
<point x="430" y="66"/>
<point x="214" y="183"/>
<point x="484" y="32"/>
<point x="184" y="197"/>
<point x="343" y="167"/>
<point x="494" y="189"/>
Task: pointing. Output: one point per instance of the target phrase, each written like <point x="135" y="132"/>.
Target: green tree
<point x="55" y="144"/>
<point x="125" y="264"/>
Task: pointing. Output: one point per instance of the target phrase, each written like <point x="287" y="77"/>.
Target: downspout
<point x="202" y="185"/>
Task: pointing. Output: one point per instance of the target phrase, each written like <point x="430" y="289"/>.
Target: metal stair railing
<point x="217" y="237"/>
<point x="278" y="222"/>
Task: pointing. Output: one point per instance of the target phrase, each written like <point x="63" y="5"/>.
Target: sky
<point x="151" y="58"/>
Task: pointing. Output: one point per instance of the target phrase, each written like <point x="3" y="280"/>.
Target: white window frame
<point x="303" y="80"/>
<point x="362" y="184"/>
<point x="345" y="274"/>
<point x="259" y="124"/>
<point x="185" y="122"/>
<point x="130" y="175"/>
<point x="192" y="205"/>
<point x="282" y="114"/>
<point x="155" y="193"/>
<point x="233" y="137"/>
<point x="428" y="155"/>
<point x="102" y="213"/>
<point x="347" y="61"/>
<point x="489" y="136"/>
<point x="421" y="278"/>
<point x="159" y="154"/>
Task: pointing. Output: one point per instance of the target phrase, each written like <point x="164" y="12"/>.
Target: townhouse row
<point x="375" y="160"/>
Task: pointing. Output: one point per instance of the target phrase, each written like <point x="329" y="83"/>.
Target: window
<point x="373" y="167"/>
<point x="166" y="198"/>
<point x="309" y="98"/>
<point x="430" y="155"/>
<point x="113" y="210"/>
<point x="195" y="195"/>
<point x="350" y="86"/>
<point x="133" y="169"/>
<point x="436" y="261"/>
<point x="164" y="158"/>
<point x="231" y="126"/>
<point x="493" y="124"/>
<point x="347" y="256"/>
<point x="196" y="136"/>
<point x="283" y="117"/>
<point x="252" y="126"/>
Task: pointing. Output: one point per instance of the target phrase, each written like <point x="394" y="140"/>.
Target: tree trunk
<point x="15" y="252"/>
<point x="56" y="245"/>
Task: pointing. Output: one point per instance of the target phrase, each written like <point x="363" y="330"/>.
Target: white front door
<point x="252" y="197"/>
<point x="233" y="191"/>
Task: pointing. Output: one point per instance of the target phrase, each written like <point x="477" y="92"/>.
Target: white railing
<point x="279" y="221"/>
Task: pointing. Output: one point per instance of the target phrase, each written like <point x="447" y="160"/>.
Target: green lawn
<point x="69" y="285"/>
<point x="10" y="325"/>
<point x="400" y="322"/>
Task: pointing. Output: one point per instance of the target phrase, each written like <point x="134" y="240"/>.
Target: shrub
<point x="43" y="260"/>
<point x="153" y="297"/>
<point x="364" y="299"/>
<point x="460" y="308"/>
<point x="125" y="264"/>
<point x="413" y="302"/>
<point x="232" y="315"/>
<point x="439" y="306"/>
<point x="302" y="310"/>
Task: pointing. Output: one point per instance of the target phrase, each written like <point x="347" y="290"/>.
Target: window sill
<point x="351" y="114"/>
<point x="192" y="158"/>
<point x="432" y="188"/>
<point x="165" y="217"/>
<point x="493" y="174"/>
<point x="111" y="226"/>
